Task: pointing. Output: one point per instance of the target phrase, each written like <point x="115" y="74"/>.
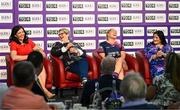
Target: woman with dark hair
<point x="167" y="85"/>
<point x="21" y="46"/>
<point x="155" y="52"/>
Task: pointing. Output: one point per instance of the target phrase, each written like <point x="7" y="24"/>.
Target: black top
<point x="67" y="57"/>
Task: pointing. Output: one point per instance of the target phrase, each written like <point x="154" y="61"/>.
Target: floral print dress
<point x="156" y="65"/>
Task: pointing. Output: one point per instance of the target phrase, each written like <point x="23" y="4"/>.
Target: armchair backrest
<point x="130" y="60"/>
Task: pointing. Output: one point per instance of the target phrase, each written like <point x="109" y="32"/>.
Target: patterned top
<point x="166" y="93"/>
<point x="111" y="50"/>
<point x="156" y="65"/>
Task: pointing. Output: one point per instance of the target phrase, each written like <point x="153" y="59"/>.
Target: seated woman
<point x="21" y="46"/>
<point x="167" y="85"/>
<point x="112" y="48"/>
<point x="156" y="51"/>
<point x="72" y="55"/>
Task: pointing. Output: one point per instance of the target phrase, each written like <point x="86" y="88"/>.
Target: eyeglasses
<point x="60" y="34"/>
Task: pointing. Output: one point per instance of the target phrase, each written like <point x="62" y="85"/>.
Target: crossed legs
<point x="120" y="67"/>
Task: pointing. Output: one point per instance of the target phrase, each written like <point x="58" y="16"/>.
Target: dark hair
<point x="172" y="69"/>
<point x="36" y="58"/>
<point x="23" y="74"/>
<point x="14" y="30"/>
<point x="161" y="37"/>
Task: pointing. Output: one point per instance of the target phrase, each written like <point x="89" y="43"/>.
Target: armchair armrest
<point x="92" y="67"/>
<point x="48" y="68"/>
<point x="132" y="63"/>
<point x="10" y="64"/>
<point x="58" y="67"/>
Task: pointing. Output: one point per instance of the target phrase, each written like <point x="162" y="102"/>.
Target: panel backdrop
<point x="88" y="20"/>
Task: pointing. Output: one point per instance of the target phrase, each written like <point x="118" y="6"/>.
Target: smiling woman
<point x="21" y="46"/>
<point x="156" y="51"/>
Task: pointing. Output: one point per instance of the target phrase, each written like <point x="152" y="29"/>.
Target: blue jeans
<point x="80" y="67"/>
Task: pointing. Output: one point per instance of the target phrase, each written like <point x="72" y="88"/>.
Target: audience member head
<point x="133" y="87"/>
<point x="111" y="34"/>
<point x="108" y="65"/>
<point x="24" y="74"/>
<point x="18" y="34"/>
<point x="36" y="59"/>
<point x="172" y="69"/>
<point x="159" y="38"/>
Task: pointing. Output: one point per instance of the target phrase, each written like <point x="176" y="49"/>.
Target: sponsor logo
<point x="84" y="32"/>
<point x="151" y="30"/>
<point x="102" y="31"/>
<point x="57" y="6"/>
<point x="83" y="6"/>
<point x="6" y="18"/>
<point x="57" y="19"/>
<point x="5" y="33"/>
<point x="133" y="31"/>
<point x="155" y="5"/>
<point x="131" y="5"/>
<point x="83" y="19"/>
<point x="3" y="74"/>
<point x="30" y="6"/>
<point x="108" y="19"/>
<point x="155" y="17"/>
<point x="40" y="44"/>
<point x="175" y="31"/>
<point x="6" y="5"/>
<point x="2" y="61"/>
<point x="50" y="44"/>
<point x="131" y="18"/>
<point x="175" y="43"/>
<point x="174" y="17"/>
<point x="35" y="32"/>
<point x="177" y="51"/>
<point x="30" y="19"/>
<point x="133" y="44"/>
<point x="174" y="6"/>
<point x="108" y="6"/>
<point x="53" y="31"/>
<point x="86" y="44"/>
<point x="4" y="47"/>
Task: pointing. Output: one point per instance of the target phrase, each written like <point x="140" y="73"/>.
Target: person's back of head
<point x="108" y="65"/>
<point x="36" y="59"/>
<point x="133" y="87"/>
<point x="172" y="69"/>
<point x="23" y="74"/>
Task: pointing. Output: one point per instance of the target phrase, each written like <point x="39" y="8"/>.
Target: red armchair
<point x="144" y="66"/>
<point x="130" y="60"/>
<point x="10" y="64"/>
<point x="65" y="79"/>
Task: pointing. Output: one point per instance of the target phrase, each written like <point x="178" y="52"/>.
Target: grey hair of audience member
<point x="133" y="87"/>
<point x="108" y="65"/>
<point x="23" y="74"/>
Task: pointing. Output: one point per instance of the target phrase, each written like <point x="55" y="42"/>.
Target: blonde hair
<point x="108" y="31"/>
<point x="66" y="31"/>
